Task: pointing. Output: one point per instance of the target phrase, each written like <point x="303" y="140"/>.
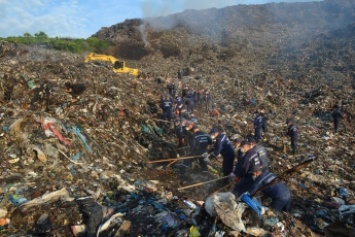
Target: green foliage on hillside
<point x="65" y="44"/>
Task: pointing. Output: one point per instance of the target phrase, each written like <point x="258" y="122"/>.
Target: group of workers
<point x="251" y="171"/>
<point x="190" y="98"/>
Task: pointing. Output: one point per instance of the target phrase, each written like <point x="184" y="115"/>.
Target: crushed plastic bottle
<point x="190" y="204"/>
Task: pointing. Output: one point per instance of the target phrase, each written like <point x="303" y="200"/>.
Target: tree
<point x="41" y="36"/>
<point x="27" y="35"/>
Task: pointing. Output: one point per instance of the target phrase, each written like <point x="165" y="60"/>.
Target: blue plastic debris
<point x="77" y="132"/>
<point x="302" y="185"/>
<point x="323" y="213"/>
<point x="156" y="204"/>
<point x="253" y="204"/>
<point x="75" y="157"/>
<point x="343" y="192"/>
<point x="169" y="221"/>
<point x="180" y="214"/>
<point x="16" y="200"/>
<point x="253" y="101"/>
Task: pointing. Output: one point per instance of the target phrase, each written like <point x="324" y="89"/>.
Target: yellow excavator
<point x="118" y="66"/>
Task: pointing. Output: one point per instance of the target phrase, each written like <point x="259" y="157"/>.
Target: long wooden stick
<point x="224" y="187"/>
<point x="283" y="176"/>
<point x="173" y="159"/>
<point x="200" y="183"/>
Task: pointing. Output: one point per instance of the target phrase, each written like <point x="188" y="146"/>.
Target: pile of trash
<point x="75" y="140"/>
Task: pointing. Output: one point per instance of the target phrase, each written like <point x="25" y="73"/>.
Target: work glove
<point x="231" y="177"/>
<point x="211" y="156"/>
<point x="207" y="159"/>
<point x="236" y="179"/>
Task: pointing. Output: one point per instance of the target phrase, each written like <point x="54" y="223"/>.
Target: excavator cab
<point x="118" y="65"/>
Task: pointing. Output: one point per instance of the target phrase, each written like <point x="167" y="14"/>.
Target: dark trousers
<point x="203" y="164"/>
<point x="190" y="107"/>
<point x="258" y="133"/>
<point x="172" y="92"/>
<point x="181" y="147"/>
<point x="264" y="127"/>
<point x="281" y="205"/>
<point x="168" y="114"/>
<point x="228" y="164"/>
<point x="294" y="143"/>
<point x="244" y="185"/>
<point x="336" y="125"/>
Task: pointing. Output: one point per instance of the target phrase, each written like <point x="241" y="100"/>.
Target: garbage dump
<point x="76" y="141"/>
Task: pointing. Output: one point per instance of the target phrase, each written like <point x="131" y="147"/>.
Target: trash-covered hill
<point x="72" y="130"/>
<point x="66" y="124"/>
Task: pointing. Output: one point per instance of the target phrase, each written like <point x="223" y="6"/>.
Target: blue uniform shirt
<point x="200" y="143"/>
<point x="258" y="121"/>
<point x="262" y="153"/>
<point x="166" y="105"/>
<point x="277" y="191"/>
<point x="249" y="160"/>
<point x="292" y="131"/>
<point x="337" y="115"/>
<point x="222" y="146"/>
<point x="180" y="131"/>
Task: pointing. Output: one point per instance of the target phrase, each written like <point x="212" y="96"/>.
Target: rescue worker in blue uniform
<point x="171" y="89"/>
<point x="167" y="107"/>
<point x="292" y="132"/>
<point x="265" y="119"/>
<point x="278" y="192"/>
<point x="242" y="173"/>
<point x="238" y="150"/>
<point x="224" y="147"/>
<point x="190" y="102"/>
<point x="337" y="116"/>
<point x="184" y="91"/>
<point x="178" y="105"/>
<point x="200" y="143"/>
<point x="258" y="125"/>
<point x="262" y="153"/>
<point x="180" y="132"/>
<point x="189" y="139"/>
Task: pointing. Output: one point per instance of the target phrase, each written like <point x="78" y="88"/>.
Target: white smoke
<point x="155" y="10"/>
<point x="144" y="33"/>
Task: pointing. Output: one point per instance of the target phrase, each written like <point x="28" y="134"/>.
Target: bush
<point x="63" y="44"/>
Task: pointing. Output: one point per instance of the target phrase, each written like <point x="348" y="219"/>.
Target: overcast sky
<point x="83" y="18"/>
